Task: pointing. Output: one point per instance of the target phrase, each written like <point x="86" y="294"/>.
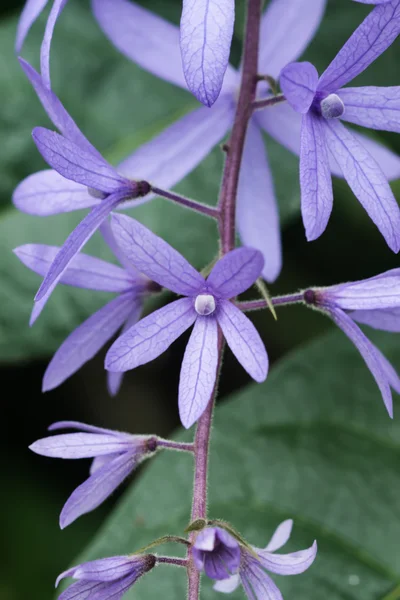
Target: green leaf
<point x="313" y="443"/>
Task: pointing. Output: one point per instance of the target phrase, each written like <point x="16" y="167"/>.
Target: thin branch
<point x="271" y="101"/>
<point x="277" y="301"/>
<point x="204" y="209"/>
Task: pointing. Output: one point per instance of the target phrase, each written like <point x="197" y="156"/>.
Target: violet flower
<point x="183" y="145"/>
<point x="373" y="1"/>
<point x="115" y="455"/>
<point x="94" y="274"/>
<point x="374" y="302"/>
<point x="322" y="102"/>
<point x="106" y="578"/>
<point x="206" y="305"/>
<point x="251" y="570"/>
<point x="81" y="178"/>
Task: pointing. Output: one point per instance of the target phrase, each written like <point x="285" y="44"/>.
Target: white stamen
<point x="332" y="107"/>
<point x="204" y="304"/>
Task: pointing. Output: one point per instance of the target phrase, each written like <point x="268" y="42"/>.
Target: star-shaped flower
<point x="322" y="102"/>
<point x="206" y="304"/>
<point x="94" y="274"/>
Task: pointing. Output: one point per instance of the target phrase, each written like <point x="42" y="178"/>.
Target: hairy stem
<point x="265" y="102"/>
<point x="171" y="445"/>
<point x="277" y="301"/>
<point x="204" y="209"/>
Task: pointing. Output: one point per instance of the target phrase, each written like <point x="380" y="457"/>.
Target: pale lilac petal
<point x="299" y="83"/>
<point x="80" y="445"/>
<point x="83" y="427"/>
<point x="256" y="583"/>
<point x="288" y="564"/>
<point x="388" y="161"/>
<point x="103" y="569"/>
<point x="390" y="372"/>
<point x="151" y="336"/>
<point x="372" y="107"/>
<point x="199" y="370"/>
<point x="99" y="461"/>
<point x="280" y="536"/>
<point x="56" y="112"/>
<point x="227" y="586"/>
<point x="380" y="292"/>
<point x="76" y="240"/>
<point x="85" y="341"/>
<point x="257" y="213"/>
<point x="97" y="488"/>
<point x="83" y="271"/>
<point x="372" y="1"/>
<point x="387" y="319"/>
<point x="244" y="340"/>
<point x="92" y="590"/>
<point x="366" y="180"/>
<point x="170" y="156"/>
<point x="49" y="193"/>
<point x="368" y="352"/>
<point x="206" y="31"/>
<point x="55" y="12"/>
<point x="287" y="28"/>
<point x="154" y="257"/>
<point x="30" y="13"/>
<point x="72" y="162"/>
<point x="375" y="34"/>
<point x="315" y="177"/>
<point x="236" y="272"/>
<point x="106" y="232"/>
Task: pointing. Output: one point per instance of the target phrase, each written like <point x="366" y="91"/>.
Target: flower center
<point x="332" y="107"/>
<point x="204" y="304"/>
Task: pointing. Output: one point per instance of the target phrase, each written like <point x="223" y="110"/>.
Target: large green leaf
<point x="313" y="443"/>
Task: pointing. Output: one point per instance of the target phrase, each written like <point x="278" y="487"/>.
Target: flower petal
<point x="84" y="427"/>
<point x="299" y="83"/>
<point x="93" y="590"/>
<point x="366" y="180"/>
<point x="154" y="257"/>
<point x="380" y="292"/>
<point x="280" y="536"/>
<point x="288" y="564"/>
<point x="97" y="488"/>
<point x="388" y="161"/>
<point x="244" y="340"/>
<point x="227" y="586"/>
<point x="55" y="12"/>
<point x="199" y="370"/>
<point x="30" y="13"/>
<point x="315" y="177"/>
<point x="236" y="272"/>
<point x="99" y="461"/>
<point x="257" y="209"/>
<point x="80" y="445"/>
<point x="257" y="584"/>
<point x="372" y="107"/>
<point x="387" y="319"/>
<point x="375" y="34"/>
<point x="368" y="352"/>
<point x="151" y="336"/>
<point x="205" y="36"/>
<point x="87" y="339"/>
<point x="391" y="374"/>
<point x="103" y="569"/>
<point x="287" y="28"/>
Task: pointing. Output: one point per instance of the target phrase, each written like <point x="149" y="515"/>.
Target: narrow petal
<point x="83" y="427"/>
<point x="55" y="12"/>
<point x="380" y="292"/>
<point x="257" y="584"/>
<point x="151" y="336"/>
<point x="287" y="28"/>
<point x="49" y="193"/>
<point x="257" y="208"/>
<point x="387" y="319"/>
<point x="99" y="461"/>
<point x="366" y="180"/>
<point x="368" y="352"/>
<point x="103" y="569"/>
<point x="72" y="162"/>
<point x="236" y="272"/>
<point x="80" y="445"/>
<point x="227" y="586"/>
<point x="99" y="590"/>
<point x="97" y="488"/>
<point x="170" y="156"/>
<point x="199" y="370"/>
<point x="288" y="564"/>
<point x="30" y="13"/>
<point x="375" y="34"/>
<point x="315" y="177"/>
<point x="388" y="161"/>
<point x="299" y="83"/>
<point x="372" y="107"/>
<point x="280" y="536"/>
<point x="76" y="240"/>
<point x="205" y="36"/>
<point x="154" y="257"/>
<point x="83" y="271"/>
<point x="109" y="238"/>
<point x="244" y="340"/>
<point x="390" y="372"/>
<point x="85" y="341"/>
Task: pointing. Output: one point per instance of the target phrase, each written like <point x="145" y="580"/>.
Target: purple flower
<point x="252" y="570"/>
<point x="216" y="553"/>
<point x="374" y="302"/>
<point x="206" y="35"/>
<point x="106" y="578"/>
<point x="322" y="102"/>
<point x="373" y="1"/>
<point x="183" y="145"/>
<point x="206" y="305"/>
<point x="81" y="178"/>
<point x="94" y="274"/>
<point x="115" y="455"/>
